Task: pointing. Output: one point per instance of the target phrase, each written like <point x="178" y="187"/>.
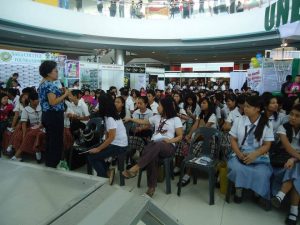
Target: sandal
<point x="111" y="176"/>
<point x="128" y="174"/>
<point x="150" y="192"/>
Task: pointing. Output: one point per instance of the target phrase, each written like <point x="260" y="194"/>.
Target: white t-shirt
<point x="295" y="140"/>
<point x="218" y="112"/>
<point x="34" y="116"/>
<point x="81" y="109"/>
<point x="153" y="107"/>
<point x="16" y="100"/>
<point x="168" y="127"/>
<point x="129" y="104"/>
<point x="121" y="135"/>
<point x="213" y="119"/>
<point x="66" y="118"/>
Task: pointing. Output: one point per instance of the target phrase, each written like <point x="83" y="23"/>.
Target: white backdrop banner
<point x="237" y="79"/>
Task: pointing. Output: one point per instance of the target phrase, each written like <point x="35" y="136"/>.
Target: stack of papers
<point x="203" y="160"/>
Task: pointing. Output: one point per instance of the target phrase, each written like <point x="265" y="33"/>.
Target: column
<point x="119" y="57"/>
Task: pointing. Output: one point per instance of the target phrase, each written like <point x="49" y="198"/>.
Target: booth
<point x="90" y="75"/>
<point x="270" y="76"/>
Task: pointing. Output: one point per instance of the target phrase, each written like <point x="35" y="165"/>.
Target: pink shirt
<point x="295" y="87"/>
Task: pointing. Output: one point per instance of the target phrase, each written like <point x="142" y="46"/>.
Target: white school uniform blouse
<point x="233" y="115"/>
<point x="146" y="115"/>
<point x="238" y="131"/>
<point x="295" y="140"/>
<point x="142" y="116"/>
<point x="33" y="116"/>
<point x="281" y="119"/>
<point x="212" y="119"/>
<point x="121" y="135"/>
<point x="169" y="126"/>
<point x="153" y="107"/>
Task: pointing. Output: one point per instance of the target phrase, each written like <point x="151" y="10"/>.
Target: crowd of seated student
<point x="254" y="125"/>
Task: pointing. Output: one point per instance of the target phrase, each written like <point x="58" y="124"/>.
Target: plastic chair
<point x="168" y="168"/>
<point x="206" y="134"/>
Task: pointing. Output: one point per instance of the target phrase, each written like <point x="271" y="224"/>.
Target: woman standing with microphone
<point x="52" y="103"/>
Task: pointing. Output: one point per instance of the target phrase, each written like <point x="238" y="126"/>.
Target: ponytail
<point x="263" y="121"/>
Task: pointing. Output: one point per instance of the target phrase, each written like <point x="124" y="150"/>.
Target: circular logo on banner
<point x="5" y="56"/>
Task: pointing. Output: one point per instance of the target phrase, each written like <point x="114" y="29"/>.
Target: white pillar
<point x="119" y="57"/>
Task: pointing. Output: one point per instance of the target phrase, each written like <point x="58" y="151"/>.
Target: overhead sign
<point x="17" y="57"/>
<point x="207" y="66"/>
<point x="282" y="12"/>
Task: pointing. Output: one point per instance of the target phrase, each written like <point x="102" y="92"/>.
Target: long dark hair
<point x="256" y="101"/>
<point x="107" y="107"/>
<point x="211" y="110"/>
<point x="168" y="107"/>
<point x="122" y="114"/>
<point x="266" y="99"/>
<point x="194" y="104"/>
<point x="288" y="127"/>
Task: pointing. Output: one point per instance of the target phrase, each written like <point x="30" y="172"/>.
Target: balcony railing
<point x="160" y="9"/>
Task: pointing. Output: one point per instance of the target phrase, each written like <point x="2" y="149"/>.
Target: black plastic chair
<point x="168" y="168"/>
<point x="207" y="135"/>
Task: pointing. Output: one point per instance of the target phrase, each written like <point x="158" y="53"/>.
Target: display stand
<point x="270" y="76"/>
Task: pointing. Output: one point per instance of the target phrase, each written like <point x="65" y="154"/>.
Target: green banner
<point x="282" y="12"/>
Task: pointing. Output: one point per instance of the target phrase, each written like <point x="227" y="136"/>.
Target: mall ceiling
<point x="237" y="49"/>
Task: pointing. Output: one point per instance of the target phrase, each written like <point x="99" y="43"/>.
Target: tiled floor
<point x="192" y="208"/>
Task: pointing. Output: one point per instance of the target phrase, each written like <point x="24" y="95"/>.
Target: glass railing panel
<point x="161" y="9"/>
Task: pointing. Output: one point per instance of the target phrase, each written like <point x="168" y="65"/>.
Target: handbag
<point x="278" y="155"/>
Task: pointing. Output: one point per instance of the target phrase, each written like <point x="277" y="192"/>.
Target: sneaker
<point x="9" y="149"/>
<point x="176" y="171"/>
<point x="10" y="129"/>
<point x="14" y="158"/>
<point x="185" y="181"/>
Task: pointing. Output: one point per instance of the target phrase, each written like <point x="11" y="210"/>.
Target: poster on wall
<point x="254" y="79"/>
<point x="89" y="75"/>
<point x="72" y="69"/>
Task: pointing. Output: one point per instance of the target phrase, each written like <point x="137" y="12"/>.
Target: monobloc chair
<point x="168" y="168"/>
<point x="203" y="137"/>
